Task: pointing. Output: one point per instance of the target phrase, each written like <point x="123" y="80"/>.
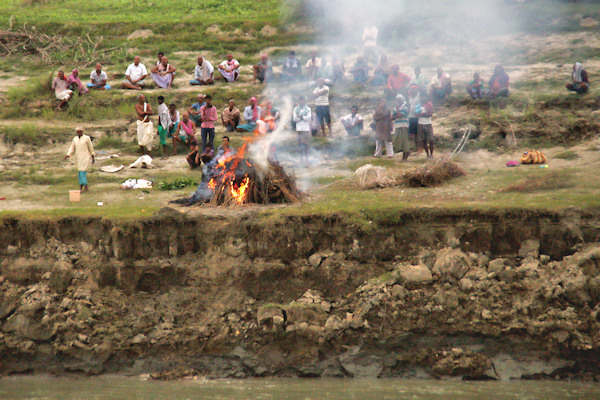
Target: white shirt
<point x="311" y="64"/>
<point x="229" y="67"/>
<point x="98" y="79"/>
<point x="322" y="100"/>
<point x="203" y="72"/>
<point x="302" y="118"/>
<point x="348" y="120"/>
<point x="164" y="117"/>
<point x="370" y="37"/>
<point x="135" y="72"/>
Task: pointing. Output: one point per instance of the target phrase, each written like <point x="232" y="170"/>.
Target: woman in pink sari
<point x="75" y="83"/>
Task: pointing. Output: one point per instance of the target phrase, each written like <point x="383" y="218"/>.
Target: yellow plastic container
<point x="75" y="196"/>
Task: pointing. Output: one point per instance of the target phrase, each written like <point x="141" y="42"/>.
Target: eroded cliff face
<point x="469" y="294"/>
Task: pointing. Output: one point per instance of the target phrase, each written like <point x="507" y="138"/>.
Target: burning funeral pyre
<point x="234" y="179"/>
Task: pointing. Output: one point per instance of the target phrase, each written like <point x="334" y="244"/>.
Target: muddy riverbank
<point x="424" y="293"/>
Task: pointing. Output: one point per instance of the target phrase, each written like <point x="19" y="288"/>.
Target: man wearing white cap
<point x="84" y="156"/>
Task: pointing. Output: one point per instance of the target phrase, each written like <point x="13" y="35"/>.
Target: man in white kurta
<point x="145" y="128"/>
<point x="84" y="156"/>
<point x="230" y="68"/>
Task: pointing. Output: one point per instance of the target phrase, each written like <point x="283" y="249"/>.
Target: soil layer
<point x="471" y="294"/>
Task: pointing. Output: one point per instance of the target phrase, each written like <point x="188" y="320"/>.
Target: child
<point x="192" y="157"/>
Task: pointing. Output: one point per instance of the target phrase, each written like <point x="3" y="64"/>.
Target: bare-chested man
<point x="145" y="130"/>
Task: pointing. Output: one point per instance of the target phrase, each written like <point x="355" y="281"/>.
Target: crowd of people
<point x="402" y="119"/>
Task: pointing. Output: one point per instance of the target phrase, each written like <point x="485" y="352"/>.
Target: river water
<point x="123" y="388"/>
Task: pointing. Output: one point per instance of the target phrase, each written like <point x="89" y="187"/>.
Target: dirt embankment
<point x="480" y="295"/>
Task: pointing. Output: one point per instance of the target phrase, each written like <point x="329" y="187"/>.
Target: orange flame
<point x="225" y="172"/>
<point x="239" y="194"/>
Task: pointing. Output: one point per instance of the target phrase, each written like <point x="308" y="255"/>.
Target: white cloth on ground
<point x="144" y="161"/>
<point x="136" y="184"/>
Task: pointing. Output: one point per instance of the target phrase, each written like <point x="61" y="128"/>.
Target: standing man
<point x="164" y="120"/>
<point x="353" y="122"/>
<point x="370" y="42"/>
<point x="425" y="130"/>
<point x="414" y="101"/>
<point x="98" y="79"/>
<point x="230" y="116"/>
<point x="145" y="129"/>
<point x="383" y="130"/>
<point x="84" y="153"/>
<point x="135" y="75"/>
<point x="400" y="118"/>
<point x="302" y="117"/>
<point x="321" y="95"/>
<point x="203" y="73"/>
<point x="209" y="116"/>
<point x="230" y="69"/>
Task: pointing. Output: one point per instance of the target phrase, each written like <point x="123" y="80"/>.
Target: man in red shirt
<point x="397" y="82"/>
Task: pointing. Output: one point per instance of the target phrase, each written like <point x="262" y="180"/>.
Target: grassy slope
<point x="182" y="28"/>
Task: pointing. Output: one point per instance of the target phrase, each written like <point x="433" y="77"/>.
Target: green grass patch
<point x="177" y="184"/>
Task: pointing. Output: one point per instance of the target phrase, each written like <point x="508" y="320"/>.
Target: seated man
<point x="581" y="83"/>
<point x="263" y="71"/>
<point x="224" y="151"/>
<point x="382" y="72"/>
<point x="353" y="122"/>
<point x="230" y="116"/>
<point x="499" y="83"/>
<point x="135" y="75"/>
<point x="75" y="83"/>
<point x="441" y="85"/>
<point x="476" y="88"/>
<point x="230" y="69"/>
<point x="194" y="110"/>
<point x="193" y="157"/>
<point x="419" y="80"/>
<point x="397" y="82"/>
<point x="292" y="69"/>
<point x="207" y="155"/>
<point x="98" y="79"/>
<point x="61" y="89"/>
<point x="162" y="74"/>
<point x="270" y="115"/>
<point x="251" y="115"/>
<point x="186" y="132"/>
<point x="313" y="67"/>
<point x="203" y="73"/>
<point x="360" y="70"/>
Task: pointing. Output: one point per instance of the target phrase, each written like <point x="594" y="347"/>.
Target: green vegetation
<point x="177" y="184"/>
